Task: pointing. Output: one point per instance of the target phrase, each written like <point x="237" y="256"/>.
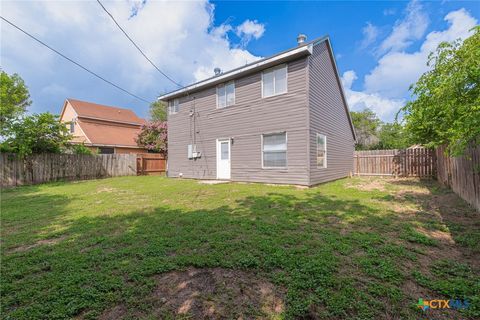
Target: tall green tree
<point x="366" y="124"/>
<point x="391" y="136"/>
<point x="158" y="111"/>
<point x="37" y="133"/>
<point x="446" y="109"/>
<point x="14" y="99"/>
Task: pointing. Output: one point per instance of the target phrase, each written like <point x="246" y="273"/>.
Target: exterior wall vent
<point x="301" y="39"/>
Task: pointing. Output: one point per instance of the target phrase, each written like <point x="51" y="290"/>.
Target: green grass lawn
<point x="151" y="247"/>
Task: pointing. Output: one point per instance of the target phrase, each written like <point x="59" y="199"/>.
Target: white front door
<point x="223" y="159"/>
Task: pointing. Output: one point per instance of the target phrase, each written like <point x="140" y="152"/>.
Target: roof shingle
<point x="107" y="134"/>
<point x="107" y="113"/>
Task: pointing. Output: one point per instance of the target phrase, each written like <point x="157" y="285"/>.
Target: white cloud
<point x="348" y="78"/>
<point x="221" y="31"/>
<point x="370" y="34"/>
<point x="250" y="29"/>
<point x="386" y="86"/>
<point x="396" y="71"/>
<point x="385" y="108"/>
<point x="406" y="30"/>
<point x="179" y="36"/>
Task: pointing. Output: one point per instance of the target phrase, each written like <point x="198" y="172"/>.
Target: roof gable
<point x="106" y="113"/>
<point x="103" y="133"/>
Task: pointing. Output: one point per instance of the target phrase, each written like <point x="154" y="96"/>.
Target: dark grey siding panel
<point x="245" y="122"/>
<point x="329" y="117"/>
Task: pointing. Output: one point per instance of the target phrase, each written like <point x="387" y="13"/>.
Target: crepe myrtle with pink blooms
<point x="153" y="136"/>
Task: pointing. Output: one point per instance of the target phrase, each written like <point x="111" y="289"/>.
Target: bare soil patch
<point x="42" y="242"/>
<point x="369" y="184"/>
<point x="117" y="312"/>
<point x="215" y="293"/>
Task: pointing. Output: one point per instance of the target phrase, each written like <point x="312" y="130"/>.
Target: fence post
<point x="358" y="166"/>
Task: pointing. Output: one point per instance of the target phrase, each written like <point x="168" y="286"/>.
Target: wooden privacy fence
<point x="414" y="162"/>
<point x="42" y="168"/>
<point x="461" y="174"/>
<point x="150" y="164"/>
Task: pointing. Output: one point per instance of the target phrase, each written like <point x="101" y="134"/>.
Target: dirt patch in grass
<point x="215" y="293"/>
<point x="441" y="236"/>
<point x="106" y="189"/>
<point x="117" y="312"/>
<point x="368" y="184"/>
<point x="445" y="218"/>
<point x="42" y="242"/>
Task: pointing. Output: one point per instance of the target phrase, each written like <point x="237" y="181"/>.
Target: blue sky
<point x="381" y="47"/>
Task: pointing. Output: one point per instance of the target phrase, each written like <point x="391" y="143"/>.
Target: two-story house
<point x="283" y="119"/>
<point x="103" y="129"/>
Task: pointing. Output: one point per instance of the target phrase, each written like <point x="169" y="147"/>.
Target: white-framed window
<point x="274" y="81"/>
<point x="321" y="151"/>
<point x="173" y="106"/>
<point x="72" y="126"/>
<point x="226" y="94"/>
<point x="274" y="150"/>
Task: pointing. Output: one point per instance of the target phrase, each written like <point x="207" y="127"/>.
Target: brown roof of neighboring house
<point x="98" y="111"/>
<point x="103" y="133"/>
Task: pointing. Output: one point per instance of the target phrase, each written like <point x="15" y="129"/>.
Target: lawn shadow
<point x="27" y="213"/>
<point x="309" y="252"/>
<point x="289" y="242"/>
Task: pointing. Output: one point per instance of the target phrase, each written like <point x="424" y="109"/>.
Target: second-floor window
<point x="173" y="106"/>
<point x="226" y="95"/>
<point x="72" y="126"/>
<point x="274" y="81"/>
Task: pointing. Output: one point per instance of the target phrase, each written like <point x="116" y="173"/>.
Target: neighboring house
<point x="282" y="119"/>
<point x="102" y="128"/>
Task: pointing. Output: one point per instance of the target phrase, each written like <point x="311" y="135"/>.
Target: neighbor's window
<point x="274" y="150"/>
<point x="321" y="151"/>
<point x="105" y="150"/>
<point x="72" y="126"/>
<point x="274" y="81"/>
<point x="173" y="106"/>
<point x="226" y="95"/>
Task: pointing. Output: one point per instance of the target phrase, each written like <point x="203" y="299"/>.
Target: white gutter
<point x="303" y="50"/>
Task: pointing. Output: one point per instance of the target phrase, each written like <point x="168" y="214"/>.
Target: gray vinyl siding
<point x="328" y="116"/>
<point x="245" y="122"/>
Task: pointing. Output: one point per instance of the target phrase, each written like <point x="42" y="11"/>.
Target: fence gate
<point x="413" y="162"/>
<point x="150" y="164"/>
